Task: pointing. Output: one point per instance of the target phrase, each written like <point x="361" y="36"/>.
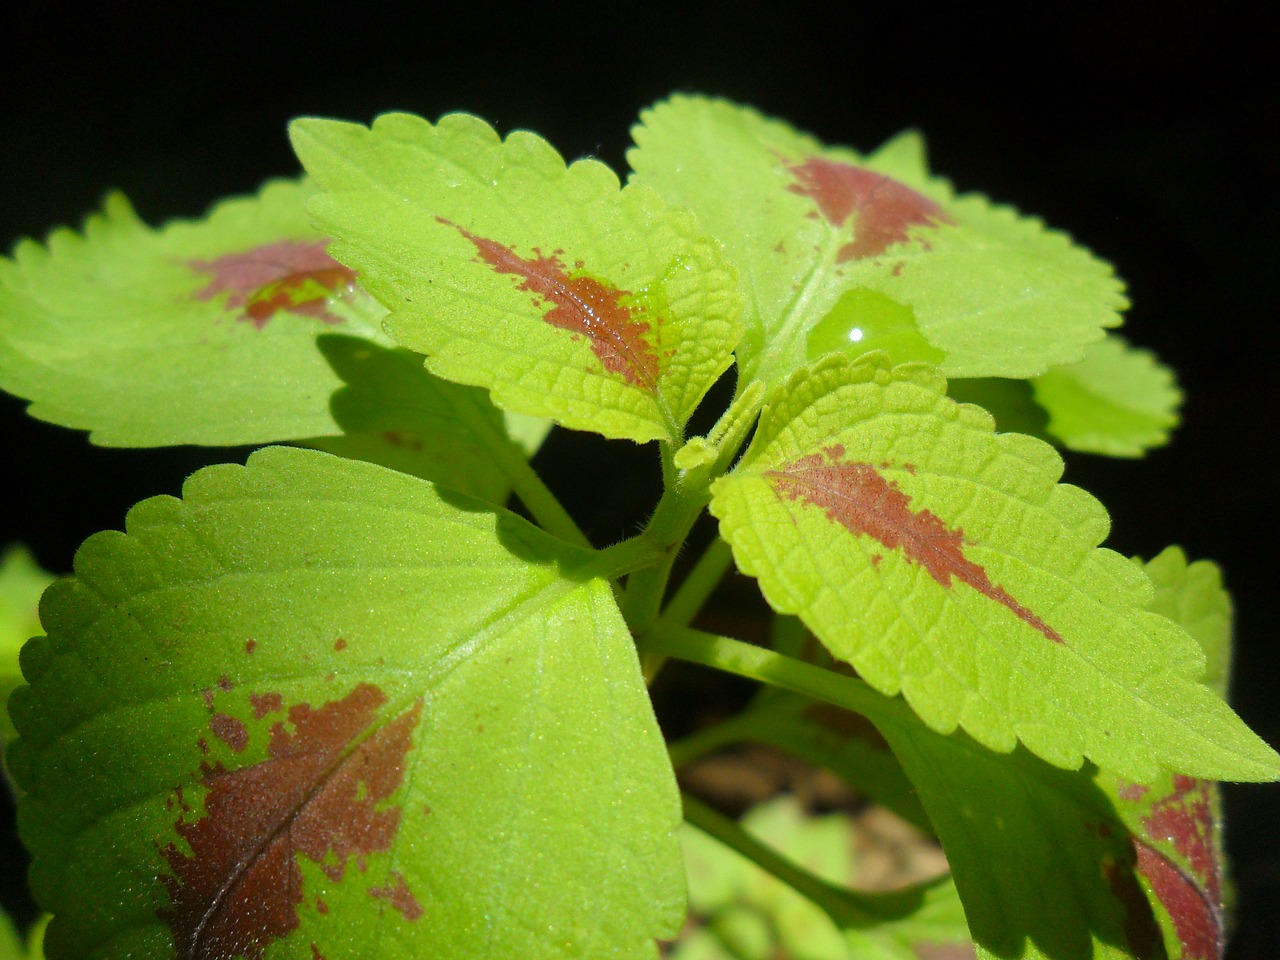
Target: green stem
<point x="846" y="908"/>
<point x="699" y="584"/>
<point x="542" y="504"/>
<point x="767" y="666"/>
<point x="666" y="530"/>
<point x="705" y="741"/>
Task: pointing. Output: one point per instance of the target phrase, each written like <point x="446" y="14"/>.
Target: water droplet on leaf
<point x="864" y="320"/>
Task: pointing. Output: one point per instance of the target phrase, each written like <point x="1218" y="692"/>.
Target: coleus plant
<point x="375" y="694"/>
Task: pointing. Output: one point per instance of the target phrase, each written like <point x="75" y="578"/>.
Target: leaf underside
<point x="256" y="729"/>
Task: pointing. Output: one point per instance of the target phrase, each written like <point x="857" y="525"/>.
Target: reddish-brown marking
<point x="250" y="646"/>
<point x="1133" y="792"/>
<point x="340" y="644"/>
<point x="202" y="744"/>
<point x="1193" y="898"/>
<point x="315" y="953"/>
<point x="265" y="703"/>
<point x="399" y="439"/>
<point x="1197" y="919"/>
<point x="294" y="276"/>
<point x="885" y="208"/>
<point x="862" y="501"/>
<point x="207" y="696"/>
<point x="1185" y="819"/>
<point x="398" y="894"/>
<point x="321" y="906"/>
<point x="224" y="683"/>
<point x="1141" y="932"/>
<point x="230" y="731"/>
<point x="321" y="792"/>
<point x="582" y="305"/>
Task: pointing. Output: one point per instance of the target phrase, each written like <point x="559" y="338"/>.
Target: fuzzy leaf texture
<point x="565" y="296"/>
<point x="840" y="252"/>
<point x="320" y="708"/>
<point x="235" y="329"/>
<point x="945" y="562"/>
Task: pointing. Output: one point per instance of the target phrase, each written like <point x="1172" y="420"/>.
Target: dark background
<point x="1144" y="129"/>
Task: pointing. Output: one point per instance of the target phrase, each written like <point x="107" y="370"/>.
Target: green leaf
<point x="1192" y="596"/>
<point x="392" y="412"/>
<point x="13" y="946"/>
<point x="1175" y="821"/>
<point x="945" y="562"/>
<point x="843" y="252"/>
<point x="1011" y="403"/>
<point x="1118" y="400"/>
<point x="317" y="706"/>
<point x="202" y="332"/>
<point x="21" y="583"/>
<point x="568" y="298"/>
<point x="1040" y="862"/>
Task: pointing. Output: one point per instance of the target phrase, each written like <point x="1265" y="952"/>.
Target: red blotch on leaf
<point x="860" y="499"/>
<point x="883" y="209"/>
<point x="1193" y="899"/>
<point x="294" y="276"/>
<point x="320" y="792"/>
<point x="582" y="305"/>
<point x="398" y="894"/>
<point x="265" y="703"/>
<point x="230" y="731"/>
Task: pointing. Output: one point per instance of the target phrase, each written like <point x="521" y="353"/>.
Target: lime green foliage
<point x="569" y="298"/>
<point x="992" y="294"/>
<point x="747" y="914"/>
<point x="21" y="583"/>
<point x="116" y="330"/>
<point x="985" y="603"/>
<point x="304" y="582"/>
<point x="13" y="946"/>
<point x="1117" y="400"/>
<point x="340" y="702"/>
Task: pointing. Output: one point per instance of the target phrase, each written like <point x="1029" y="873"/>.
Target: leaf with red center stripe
<point x="947" y="563"/>
<point x="564" y="295"/>
<point x="318" y="708"/>
<point x="848" y="253"/>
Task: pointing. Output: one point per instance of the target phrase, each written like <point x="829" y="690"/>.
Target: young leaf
<point x="202" y="332"/>
<point x="850" y="253"/>
<point x="568" y="298"/>
<point x="945" y="562"/>
<point x="1175" y="821"/>
<point x="1117" y="401"/>
<point x="21" y="583"/>
<point x="315" y="708"/>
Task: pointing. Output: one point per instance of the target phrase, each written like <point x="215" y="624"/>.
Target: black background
<point x="1143" y="129"/>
